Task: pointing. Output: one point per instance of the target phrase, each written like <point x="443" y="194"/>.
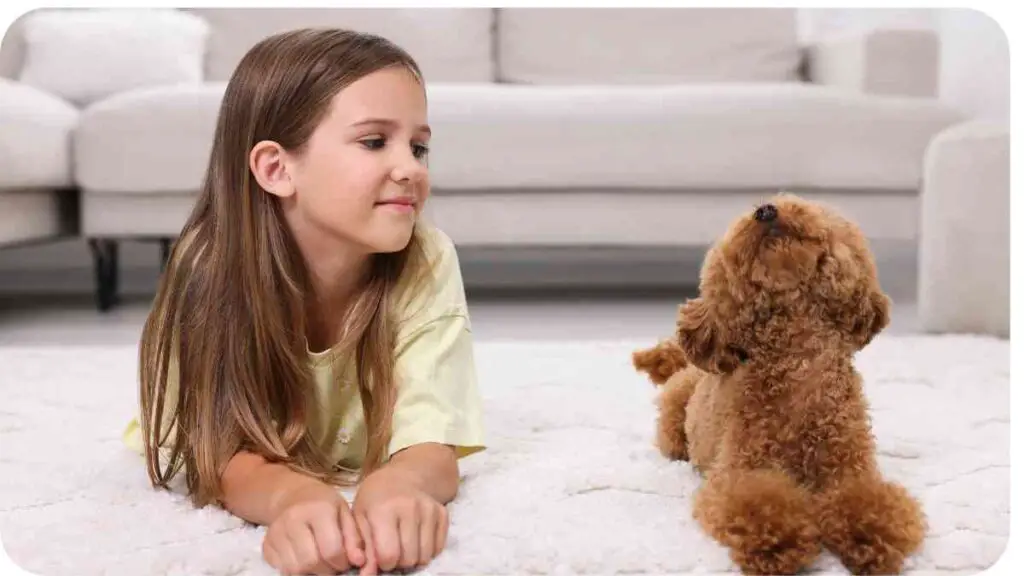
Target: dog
<point x="758" y="391"/>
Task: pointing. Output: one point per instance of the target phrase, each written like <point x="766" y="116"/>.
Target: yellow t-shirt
<point x="437" y="396"/>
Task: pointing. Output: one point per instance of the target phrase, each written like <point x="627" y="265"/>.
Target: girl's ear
<point x="267" y="163"/>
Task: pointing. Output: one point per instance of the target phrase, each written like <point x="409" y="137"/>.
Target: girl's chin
<point x="392" y="239"/>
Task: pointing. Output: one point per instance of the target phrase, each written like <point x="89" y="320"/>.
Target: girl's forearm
<point x="257" y="491"/>
<point x="432" y="468"/>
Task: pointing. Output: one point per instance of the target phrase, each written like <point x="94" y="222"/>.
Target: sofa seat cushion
<point x="698" y="136"/>
<point x="151" y="215"/>
<point x="28" y="215"/>
<point x="489" y="137"/>
<point x="35" y="142"/>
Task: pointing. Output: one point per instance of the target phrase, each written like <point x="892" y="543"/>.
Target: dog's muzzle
<point x="766" y="213"/>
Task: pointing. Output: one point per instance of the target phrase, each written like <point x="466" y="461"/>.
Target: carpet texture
<point x="571" y="484"/>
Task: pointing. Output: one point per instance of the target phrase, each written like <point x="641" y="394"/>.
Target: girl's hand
<point x="403" y="527"/>
<point x="314" y="533"/>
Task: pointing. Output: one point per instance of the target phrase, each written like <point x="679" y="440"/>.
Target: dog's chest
<point x="770" y="432"/>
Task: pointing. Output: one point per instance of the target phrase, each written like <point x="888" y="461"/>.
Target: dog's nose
<point x="766" y="213"/>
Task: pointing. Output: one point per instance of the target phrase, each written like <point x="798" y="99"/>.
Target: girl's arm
<point x="310" y="526"/>
<point x="257" y="491"/>
<point x="429" y="467"/>
<point x="400" y="507"/>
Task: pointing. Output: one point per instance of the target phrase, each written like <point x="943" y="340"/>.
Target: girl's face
<point x="361" y="180"/>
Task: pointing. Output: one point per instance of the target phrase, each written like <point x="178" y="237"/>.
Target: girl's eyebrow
<point x="389" y="123"/>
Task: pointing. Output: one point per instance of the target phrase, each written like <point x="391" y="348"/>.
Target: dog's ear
<point x="872" y="317"/>
<point x="704" y="340"/>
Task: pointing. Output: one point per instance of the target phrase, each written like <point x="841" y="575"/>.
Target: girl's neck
<point x="336" y="277"/>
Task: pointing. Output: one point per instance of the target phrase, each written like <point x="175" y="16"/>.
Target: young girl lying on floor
<point x="310" y="331"/>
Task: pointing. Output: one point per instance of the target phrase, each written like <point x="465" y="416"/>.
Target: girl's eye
<point x="373" y="143"/>
<point x="420" y="151"/>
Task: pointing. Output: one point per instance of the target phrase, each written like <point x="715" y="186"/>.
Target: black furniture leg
<point x="104" y="255"/>
<point x="165" y="252"/>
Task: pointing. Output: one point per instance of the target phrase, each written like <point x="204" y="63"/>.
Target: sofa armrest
<point x="964" y="252"/>
<point x="885" y="62"/>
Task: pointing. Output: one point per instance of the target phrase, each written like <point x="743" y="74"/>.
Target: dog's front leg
<point x="872" y="525"/>
<point x="762" y="516"/>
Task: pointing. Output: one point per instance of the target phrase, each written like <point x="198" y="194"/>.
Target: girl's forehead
<point x="384" y="92"/>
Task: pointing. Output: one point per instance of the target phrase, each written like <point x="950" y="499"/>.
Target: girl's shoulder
<point x="436" y="289"/>
<point x="435" y="242"/>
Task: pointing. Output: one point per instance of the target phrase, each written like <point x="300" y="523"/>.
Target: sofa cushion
<point x="149" y="140"/>
<point x="35" y="142"/>
<point x="490" y="136"/>
<point x="86" y="55"/>
<point x="450" y="45"/>
<point x="135" y="215"/>
<point x="697" y="136"/>
<point x="31" y="215"/>
<point x="647" y="46"/>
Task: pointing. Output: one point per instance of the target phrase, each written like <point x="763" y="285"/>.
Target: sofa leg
<point x="165" y="252"/>
<point x="104" y="255"/>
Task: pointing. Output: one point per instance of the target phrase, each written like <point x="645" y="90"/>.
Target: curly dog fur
<point x="759" y="393"/>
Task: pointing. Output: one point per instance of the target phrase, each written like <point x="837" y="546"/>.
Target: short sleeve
<point x="132" y="436"/>
<point x="438" y="399"/>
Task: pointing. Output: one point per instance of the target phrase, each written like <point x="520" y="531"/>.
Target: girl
<point x="309" y="330"/>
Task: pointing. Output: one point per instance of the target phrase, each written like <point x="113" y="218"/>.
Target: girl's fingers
<point x="303" y="548"/>
<point x="270" y="555"/>
<point x="441" y="540"/>
<point x="386" y="540"/>
<point x="409" y="536"/>
<point x="353" y="542"/>
<point x="329" y="544"/>
<point x="428" y="533"/>
<point x="370" y="567"/>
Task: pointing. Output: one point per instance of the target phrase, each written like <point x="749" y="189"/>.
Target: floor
<point x="70" y="320"/>
<point x="569" y="428"/>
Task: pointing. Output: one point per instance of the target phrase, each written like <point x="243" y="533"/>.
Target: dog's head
<point x="787" y="271"/>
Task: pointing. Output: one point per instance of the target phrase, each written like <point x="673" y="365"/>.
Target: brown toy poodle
<point x="760" y="394"/>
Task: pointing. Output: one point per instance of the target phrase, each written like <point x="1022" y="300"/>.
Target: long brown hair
<point x="230" y="311"/>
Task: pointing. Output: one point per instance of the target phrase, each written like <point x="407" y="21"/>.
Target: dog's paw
<point x="764" y="518"/>
<point x="672" y="443"/>
<point x="872" y="526"/>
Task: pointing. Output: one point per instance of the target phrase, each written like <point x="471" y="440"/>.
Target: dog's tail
<point x="660" y="362"/>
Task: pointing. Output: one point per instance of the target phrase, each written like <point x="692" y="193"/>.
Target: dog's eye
<point x="740" y="353"/>
<point x="822" y="260"/>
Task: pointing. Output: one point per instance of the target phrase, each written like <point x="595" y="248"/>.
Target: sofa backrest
<point x="533" y="46"/>
<point x="646" y="45"/>
<point x="449" y="44"/>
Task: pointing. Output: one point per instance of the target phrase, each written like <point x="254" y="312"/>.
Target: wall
<point x="975" y="64"/>
<point x="975" y="57"/>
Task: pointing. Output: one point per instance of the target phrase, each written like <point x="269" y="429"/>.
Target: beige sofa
<point x="573" y="127"/>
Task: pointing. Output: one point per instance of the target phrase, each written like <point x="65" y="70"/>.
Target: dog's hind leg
<point x="672" y="403"/>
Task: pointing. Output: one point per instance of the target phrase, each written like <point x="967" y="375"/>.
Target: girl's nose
<point x="411" y="170"/>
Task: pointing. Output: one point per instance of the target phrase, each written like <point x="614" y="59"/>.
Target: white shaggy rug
<point x="571" y="484"/>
